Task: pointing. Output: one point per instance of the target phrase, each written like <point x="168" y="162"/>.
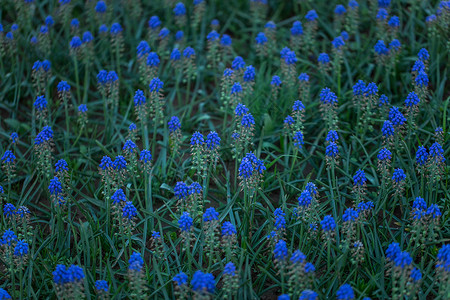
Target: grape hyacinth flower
<point x="203" y="285"/>
<point x="296" y="35"/>
<point x="180" y="14"/>
<point x="359" y="185"/>
<point x="189" y="62"/>
<point x="102" y="289"/>
<point x="303" y="88"/>
<point x="230" y="280"/>
<point x="251" y="171"/>
<point x="328" y="107"/>
<point x="181" y="289"/>
<point x="328" y="227"/>
<point x="345" y="292"/>
<point x="398" y="181"/>
<point x="324" y="63"/>
<point x="229" y="233"/>
<point x="175" y="136"/>
<point x="156" y="101"/>
<point x="436" y="161"/>
<point x="8" y="164"/>
<point x="198" y="146"/>
<point x="261" y="44"/>
<point x="275" y="84"/>
<point x="136" y="275"/>
<point x="69" y="281"/>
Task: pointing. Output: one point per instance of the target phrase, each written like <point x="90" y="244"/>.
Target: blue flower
<point x="4" y="294"/>
<point x="153" y="59"/>
<point x="129" y="211"/>
<point x="270" y="25"/>
<point x="394" y="22"/>
<point x="87" y="37"/>
<point x="179" y="35"/>
<point x="416" y="275"/>
<point x="142" y="49"/>
<point x="309" y="267"/>
<point x="359" y="88"/>
<point x="305" y="198"/>
<point x="76" y="273"/>
<point x="228" y="229"/>
<point x="119" y="163"/>
<point x="290" y="58"/>
<point x="249" y="74"/>
<point x="238" y="63"/>
<point x="328" y="97"/>
<point x="75" y="23"/>
<point x="75" y="42"/>
<point x="350" y="215"/>
<point x="430" y="18"/>
<point x="421" y="79"/>
<point x="154" y="22"/>
<point x="145" y="156"/>
<point x="55" y="186"/>
<point x="203" y="282"/>
<point x="359" y="178"/>
<point x="163" y="33"/>
<point x="247" y="120"/>
<point x="384" y="100"/>
<point x="82" y="108"/>
<point x="174" y="124"/>
<point x="212" y="140"/>
<point x="398" y="175"/>
<point x="180" y="9"/>
<point x="63" y="86"/>
<point x="363" y="206"/>
<point x="403" y="259"/>
<point x="118" y="197"/>
<point x="139" y="98"/>
<point x="298" y="139"/>
<point x="436" y="152"/>
<point x="195" y="188"/>
<point x="338" y="43"/>
<point x="197" y="139"/>
<point x="49" y="21"/>
<point x="175" y="55"/>
<point x="226" y="40"/>
<point x="283" y="297"/>
<point x="280" y="252"/>
<point x="328" y="223"/>
<point x="230" y="269"/>
<point x="112" y="77"/>
<point x="311" y="15"/>
<point x="181" y="190"/>
<point x="60" y="275"/>
<point x="240" y="110"/>
<point x="116" y="28"/>
<point x="332" y="150"/>
<point x="106" y="163"/>
<point x="276" y="81"/>
<point x="213" y="36"/>
<point x="382" y="14"/>
<point x="396" y="117"/>
<point x="418" y="66"/>
<point x="41" y="103"/>
<point x="21" y="248"/>
<point x="384" y="3"/>
<point x="344" y="35"/>
<point x="188" y="52"/>
<point x="236" y="88"/>
<point x="419" y="204"/>
<point x="102" y="77"/>
<point x="261" y="39"/>
<point x="210" y="215"/>
<point x="9" y="210"/>
<point x="102" y="286"/>
<point x="100" y="7"/>
<point x="412" y="99"/>
<point x="103" y="29"/>
<point x="135" y="263"/>
<point x="180" y="279"/>
<point x="340" y="9"/>
<point x="387" y="129"/>
<point x="61" y="166"/>
<point x="393" y="251"/>
<point x="332" y="136"/>
<point x="434" y="211"/>
<point x="289" y="120"/>
<point x="345" y="292"/>
<point x="371" y="89"/>
<point x="297" y="257"/>
<point x="297" y="28"/>
<point x="308" y="295"/>
<point x="303" y="77"/>
<point x="156" y="85"/>
<point x="423" y="54"/>
<point x="323" y="58"/>
<point x="384" y="154"/>
<point x="129" y="146"/>
<point x="443" y="258"/>
<point x="380" y="48"/>
<point x="44" y="29"/>
<point x="8" y="157"/>
<point x="185" y="222"/>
